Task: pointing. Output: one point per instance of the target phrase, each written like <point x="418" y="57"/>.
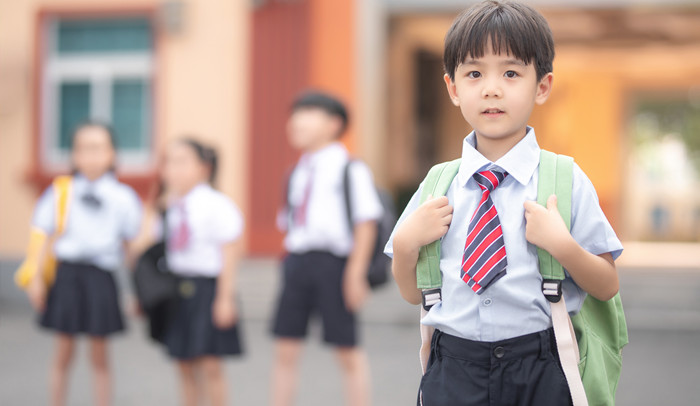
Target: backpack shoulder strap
<point x="62" y="186"/>
<point x="556" y="174"/>
<point x="346" y="193"/>
<point x="436" y="183"/>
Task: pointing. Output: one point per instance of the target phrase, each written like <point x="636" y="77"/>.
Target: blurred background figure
<point x="155" y="69"/>
<point x="330" y="239"/>
<point x="87" y="219"/>
<point x="202" y="228"/>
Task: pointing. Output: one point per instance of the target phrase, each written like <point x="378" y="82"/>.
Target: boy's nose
<point x="491" y="90"/>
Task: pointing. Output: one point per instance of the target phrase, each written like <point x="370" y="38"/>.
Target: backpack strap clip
<point x="551" y="289"/>
<point x="431" y="297"/>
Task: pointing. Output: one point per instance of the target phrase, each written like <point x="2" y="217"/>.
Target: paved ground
<point x="661" y="364"/>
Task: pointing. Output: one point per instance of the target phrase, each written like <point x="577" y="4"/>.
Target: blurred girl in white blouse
<point x="203" y="228"/>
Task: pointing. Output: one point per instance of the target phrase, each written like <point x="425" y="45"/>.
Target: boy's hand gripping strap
<point x="428" y="277"/>
<point x="556" y="177"/>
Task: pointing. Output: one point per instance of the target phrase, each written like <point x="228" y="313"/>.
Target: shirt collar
<point x="198" y="189"/>
<point x="332" y="151"/>
<point x="520" y="162"/>
<point x="106" y="179"/>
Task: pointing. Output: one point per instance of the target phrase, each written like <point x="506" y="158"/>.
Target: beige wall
<point x="201" y="89"/>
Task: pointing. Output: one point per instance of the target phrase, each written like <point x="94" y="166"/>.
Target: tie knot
<point x="489" y="180"/>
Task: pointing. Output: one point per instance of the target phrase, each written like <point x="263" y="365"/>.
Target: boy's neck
<point x="319" y="146"/>
<point x="495" y="149"/>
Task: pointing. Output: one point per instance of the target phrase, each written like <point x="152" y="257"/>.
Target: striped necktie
<point x="485" y="252"/>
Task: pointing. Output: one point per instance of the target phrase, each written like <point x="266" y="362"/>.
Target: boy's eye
<point x="511" y="74"/>
<point x="474" y="74"/>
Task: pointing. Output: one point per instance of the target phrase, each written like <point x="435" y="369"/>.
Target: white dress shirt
<point x="94" y="233"/>
<point x="326" y="225"/>
<point x="513" y="305"/>
<point x="212" y="220"/>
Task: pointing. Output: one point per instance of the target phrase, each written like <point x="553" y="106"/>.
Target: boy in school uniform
<point x="325" y="270"/>
<point x="493" y="341"/>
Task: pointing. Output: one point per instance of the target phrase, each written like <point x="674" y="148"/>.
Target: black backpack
<point x="378" y="272"/>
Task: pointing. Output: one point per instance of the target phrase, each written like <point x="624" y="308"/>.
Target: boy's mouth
<point x="492" y="111"/>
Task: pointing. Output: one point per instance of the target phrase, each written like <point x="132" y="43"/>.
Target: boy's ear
<point x="451" y="90"/>
<point x="544" y="88"/>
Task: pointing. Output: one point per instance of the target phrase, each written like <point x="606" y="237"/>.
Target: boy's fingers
<point x="445" y="210"/>
<point x="447" y="219"/>
<point x="529" y="205"/>
<point x="552" y="202"/>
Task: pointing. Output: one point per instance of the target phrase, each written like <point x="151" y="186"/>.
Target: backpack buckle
<point x="551" y="289"/>
<point x="431" y="297"/>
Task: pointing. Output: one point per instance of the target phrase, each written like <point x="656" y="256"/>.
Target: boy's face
<point x="310" y="128"/>
<point x="496" y="94"/>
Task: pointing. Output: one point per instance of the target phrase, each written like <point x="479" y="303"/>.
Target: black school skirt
<point x="190" y="331"/>
<point x="83" y="300"/>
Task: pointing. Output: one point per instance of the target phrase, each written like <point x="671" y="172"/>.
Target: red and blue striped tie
<point x="484" y="259"/>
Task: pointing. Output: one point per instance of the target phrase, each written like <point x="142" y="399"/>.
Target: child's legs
<point x="355" y="366"/>
<point x="99" y="358"/>
<point x="63" y="357"/>
<point x="296" y="303"/>
<point x="284" y="372"/>
<point x="212" y="375"/>
<point x="188" y="382"/>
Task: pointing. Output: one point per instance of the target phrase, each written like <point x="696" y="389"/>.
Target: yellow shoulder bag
<point x="38" y="239"/>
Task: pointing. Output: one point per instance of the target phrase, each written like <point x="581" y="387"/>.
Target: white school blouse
<point x="94" y="234"/>
<point x="326" y="226"/>
<point x="212" y="220"/>
<point x="513" y="305"/>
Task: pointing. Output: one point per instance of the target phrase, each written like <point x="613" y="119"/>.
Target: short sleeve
<point x="410" y="208"/>
<point x="44" y="212"/>
<point x="132" y="214"/>
<point x="365" y="203"/>
<point x="228" y="224"/>
<point x="589" y="226"/>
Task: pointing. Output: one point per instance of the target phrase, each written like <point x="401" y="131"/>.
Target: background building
<point x="626" y="100"/>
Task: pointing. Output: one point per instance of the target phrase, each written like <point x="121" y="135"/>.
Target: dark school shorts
<point x="313" y="283"/>
<point x="520" y="371"/>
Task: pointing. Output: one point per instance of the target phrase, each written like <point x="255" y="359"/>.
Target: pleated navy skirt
<point x="191" y="332"/>
<point x="84" y="299"/>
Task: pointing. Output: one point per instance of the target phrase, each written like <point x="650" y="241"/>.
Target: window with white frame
<point x="98" y="69"/>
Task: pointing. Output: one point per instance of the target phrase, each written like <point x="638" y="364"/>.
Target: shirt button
<point x="487" y="301"/>
<point x="499" y="352"/>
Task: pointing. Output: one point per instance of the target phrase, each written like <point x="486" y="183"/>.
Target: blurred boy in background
<point x="325" y="269"/>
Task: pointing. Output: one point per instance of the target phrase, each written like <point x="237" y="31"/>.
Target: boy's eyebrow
<point x="512" y="61"/>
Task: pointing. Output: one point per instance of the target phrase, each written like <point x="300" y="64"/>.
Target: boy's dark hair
<point x="206" y="155"/>
<point x="326" y="102"/>
<point x="514" y="28"/>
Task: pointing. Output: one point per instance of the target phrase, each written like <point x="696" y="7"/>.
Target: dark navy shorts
<point x="520" y="371"/>
<point x="313" y="284"/>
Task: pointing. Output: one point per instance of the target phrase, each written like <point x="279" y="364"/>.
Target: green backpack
<point x="592" y="357"/>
